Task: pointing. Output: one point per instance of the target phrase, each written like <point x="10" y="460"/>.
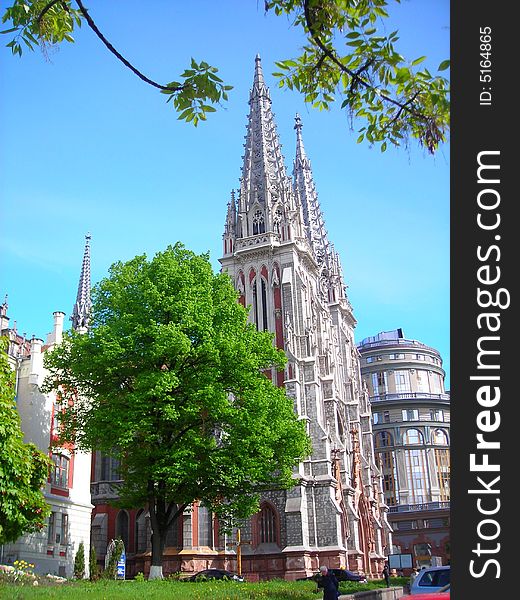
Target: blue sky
<point x="85" y="146"/>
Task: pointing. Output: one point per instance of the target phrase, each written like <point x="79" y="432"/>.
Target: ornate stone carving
<point x="316" y="329"/>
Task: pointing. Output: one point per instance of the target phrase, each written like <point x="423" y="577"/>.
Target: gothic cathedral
<point x="276" y="250"/>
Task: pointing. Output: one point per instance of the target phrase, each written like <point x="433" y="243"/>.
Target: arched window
<point x="439" y="437"/>
<point x="264" y="304"/>
<point x="60" y="470"/>
<point x="417" y="476"/>
<point x="258" y="223"/>
<point x="141" y="534"/>
<point x="172" y="535"/>
<point x="109" y="467"/>
<point x="383" y="439"/>
<point x="389" y="468"/>
<point x="442" y="463"/>
<point x="205" y="527"/>
<point x="267" y="530"/>
<point x="255" y="303"/>
<point x="122" y="527"/>
<point x="413" y="436"/>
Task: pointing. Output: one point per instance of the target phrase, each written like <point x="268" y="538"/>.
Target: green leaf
<point x="418" y="60"/>
<point x="185" y="114"/>
<point x="444" y="65"/>
<point x="402" y="74"/>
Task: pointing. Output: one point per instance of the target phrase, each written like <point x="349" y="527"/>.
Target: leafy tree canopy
<point x="23" y="468"/>
<point x="348" y="58"/>
<point x="169" y="378"/>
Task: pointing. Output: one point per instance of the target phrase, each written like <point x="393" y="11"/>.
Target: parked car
<point x="341" y="575"/>
<point x="346" y="575"/>
<point x="431" y="580"/>
<point x="215" y="574"/>
<point x="442" y="594"/>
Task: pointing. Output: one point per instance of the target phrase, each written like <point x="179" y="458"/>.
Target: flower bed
<point x="21" y="573"/>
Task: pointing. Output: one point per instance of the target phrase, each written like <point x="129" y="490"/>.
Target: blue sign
<point x="121" y="566"/>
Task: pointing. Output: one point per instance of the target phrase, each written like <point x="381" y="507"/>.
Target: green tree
<point x="170" y="374"/>
<point x="348" y="57"/>
<point x="23" y="468"/>
<point x="79" y="562"/>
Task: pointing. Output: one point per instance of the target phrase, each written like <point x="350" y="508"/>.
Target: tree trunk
<point x="163" y="515"/>
<point x="158" y="539"/>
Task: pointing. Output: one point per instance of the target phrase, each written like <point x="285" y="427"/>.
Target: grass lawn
<point x="175" y="590"/>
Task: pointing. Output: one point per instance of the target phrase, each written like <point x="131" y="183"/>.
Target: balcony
<point x="262" y="239"/>
<point x="410" y="396"/>
<point x="395" y="342"/>
<point x="105" y="489"/>
<point x="425" y="506"/>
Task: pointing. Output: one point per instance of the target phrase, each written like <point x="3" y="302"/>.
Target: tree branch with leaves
<point x="371" y="79"/>
<point x="348" y="57"/>
<point x="46" y="23"/>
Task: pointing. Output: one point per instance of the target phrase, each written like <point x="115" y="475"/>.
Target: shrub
<point x="79" y="562"/>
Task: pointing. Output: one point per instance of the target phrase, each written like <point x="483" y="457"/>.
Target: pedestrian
<point x="413" y="575"/>
<point x="386" y="574"/>
<point x="329" y="583"/>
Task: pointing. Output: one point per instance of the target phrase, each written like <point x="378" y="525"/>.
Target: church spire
<point x="259" y="87"/>
<point x="230" y="234"/>
<point x="81" y="310"/>
<point x="266" y="197"/>
<point x="231" y="216"/>
<point x="324" y="253"/>
<point x="308" y="198"/>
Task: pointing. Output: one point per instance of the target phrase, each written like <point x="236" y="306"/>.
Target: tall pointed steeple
<point x="327" y="258"/>
<point x="81" y="311"/>
<point x="308" y="198"/>
<point x="266" y="199"/>
<point x="263" y="160"/>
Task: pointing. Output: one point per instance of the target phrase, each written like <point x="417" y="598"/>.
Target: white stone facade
<point x="53" y="549"/>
